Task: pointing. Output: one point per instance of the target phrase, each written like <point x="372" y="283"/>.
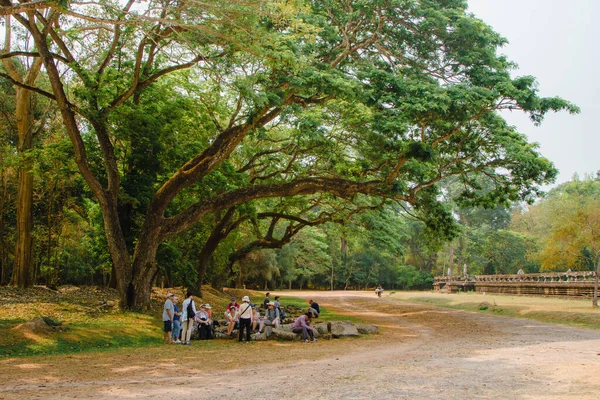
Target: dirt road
<point x="421" y="353"/>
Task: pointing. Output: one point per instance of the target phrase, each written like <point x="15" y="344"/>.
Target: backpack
<point x="190" y="310"/>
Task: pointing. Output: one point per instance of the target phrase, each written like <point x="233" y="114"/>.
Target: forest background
<point x="328" y="144"/>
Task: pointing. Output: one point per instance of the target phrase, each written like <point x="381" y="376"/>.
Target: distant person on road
<point x="314" y="308"/>
<point x="303" y="325"/>
<point x="168" y="310"/>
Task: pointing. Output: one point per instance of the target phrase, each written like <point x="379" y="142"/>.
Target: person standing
<point x="245" y="319"/>
<point x="189" y="312"/>
<point x="168" y="310"/>
<point x="176" y="322"/>
<point x="303" y="325"/>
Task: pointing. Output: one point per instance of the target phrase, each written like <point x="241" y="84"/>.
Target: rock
<point x="321" y="328"/>
<point x="268" y="330"/>
<point x="259" y="336"/>
<point x="367" y="329"/>
<point x="36" y="325"/>
<point x="343" y="329"/>
<point x="221" y="335"/>
<point x="283" y="334"/>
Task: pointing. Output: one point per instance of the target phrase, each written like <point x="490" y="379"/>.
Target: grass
<point x="91" y="326"/>
<point x="566" y="311"/>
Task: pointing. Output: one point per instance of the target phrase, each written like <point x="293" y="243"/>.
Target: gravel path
<point x="421" y="353"/>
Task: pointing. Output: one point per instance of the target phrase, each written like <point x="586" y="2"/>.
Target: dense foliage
<point x="252" y="142"/>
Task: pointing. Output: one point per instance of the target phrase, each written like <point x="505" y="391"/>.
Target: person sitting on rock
<point x="233" y="304"/>
<point x="314" y="308"/>
<point x="267" y="300"/>
<point x="271" y="317"/>
<point x="303" y="325"/>
<point x="279" y="307"/>
<point x="204" y="322"/>
<point x="255" y="317"/>
<point x="232" y="319"/>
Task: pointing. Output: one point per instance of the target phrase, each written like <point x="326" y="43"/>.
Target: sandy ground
<point x="422" y="352"/>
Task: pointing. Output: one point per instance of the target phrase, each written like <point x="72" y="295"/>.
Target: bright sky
<point x="556" y="41"/>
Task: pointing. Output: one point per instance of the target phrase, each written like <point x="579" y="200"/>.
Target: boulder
<point x="268" y="330"/>
<point x="221" y="335"/>
<point x="36" y="325"/>
<point x="259" y="336"/>
<point x="343" y="329"/>
<point x="283" y="334"/>
<point x="367" y="329"/>
<point x="321" y="328"/>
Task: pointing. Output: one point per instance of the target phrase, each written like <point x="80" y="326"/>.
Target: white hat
<point x="207" y="306"/>
<point x="170" y="295"/>
<point x="246" y="298"/>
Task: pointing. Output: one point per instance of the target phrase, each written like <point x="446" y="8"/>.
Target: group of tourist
<point x="245" y="317"/>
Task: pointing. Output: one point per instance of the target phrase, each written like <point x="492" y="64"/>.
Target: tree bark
<point x="21" y="275"/>
<point x="595" y="300"/>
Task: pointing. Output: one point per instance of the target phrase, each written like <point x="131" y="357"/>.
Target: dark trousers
<point x="244" y="323"/>
<point x="305" y="333"/>
<point x="205" y="331"/>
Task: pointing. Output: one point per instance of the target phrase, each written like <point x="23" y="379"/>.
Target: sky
<point x="558" y="42"/>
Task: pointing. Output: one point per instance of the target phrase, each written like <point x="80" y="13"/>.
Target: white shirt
<point x="245" y="311"/>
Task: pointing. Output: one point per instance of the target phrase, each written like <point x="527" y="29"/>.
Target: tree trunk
<point x="595" y="300"/>
<point x="451" y="267"/>
<point x="21" y="275"/>
<point x="205" y="257"/>
<point x="3" y="233"/>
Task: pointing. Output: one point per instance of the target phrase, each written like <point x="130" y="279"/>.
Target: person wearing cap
<point x="302" y="325"/>
<point x="189" y="311"/>
<point x="233" y="304"/>
<point x="245" y="319"/>
<point x="271" y="317"/>
<point x="167" y="317"/>
<point x="176" y="322"/>
<point x="204" y="322"/>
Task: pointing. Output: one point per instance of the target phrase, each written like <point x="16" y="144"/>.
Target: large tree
<point x="381" y="98"/>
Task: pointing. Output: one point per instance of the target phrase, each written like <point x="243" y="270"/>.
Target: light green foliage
<point x="566" y="224"/>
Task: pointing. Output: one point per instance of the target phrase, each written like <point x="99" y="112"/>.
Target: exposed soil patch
<point x="422" y="352"/>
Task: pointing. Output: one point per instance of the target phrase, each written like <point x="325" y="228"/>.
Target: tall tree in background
<point x="383" y="99"/>
<point x="24" y="76"/>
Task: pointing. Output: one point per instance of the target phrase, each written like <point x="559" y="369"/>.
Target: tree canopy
<point x="183" y="113"/>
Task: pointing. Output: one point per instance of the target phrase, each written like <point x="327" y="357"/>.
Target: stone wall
<point x="546" y="284"/>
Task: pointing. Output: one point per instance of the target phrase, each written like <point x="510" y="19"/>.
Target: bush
<point x="409" y="278"/>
